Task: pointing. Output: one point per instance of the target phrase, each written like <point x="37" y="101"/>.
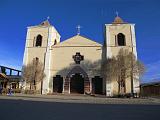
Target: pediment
<point x="78" y="40"/>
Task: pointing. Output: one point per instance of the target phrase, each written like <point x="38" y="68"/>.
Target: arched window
<point x="35" y="61"/>
<point x="39" y="41"/>
<point x="55" y="42"/>
<point x="121" y="39"/>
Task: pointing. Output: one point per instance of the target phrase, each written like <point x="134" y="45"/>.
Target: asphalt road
<point x="35" y="110"/>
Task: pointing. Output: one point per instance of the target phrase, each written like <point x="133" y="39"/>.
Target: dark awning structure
<point x="13" y="75"/>
<point x="14" y="78"/>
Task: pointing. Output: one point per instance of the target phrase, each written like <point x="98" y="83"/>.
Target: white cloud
<point x="152" y="73"/>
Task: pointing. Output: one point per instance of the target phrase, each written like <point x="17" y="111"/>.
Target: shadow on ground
<point x="35" y="110"/>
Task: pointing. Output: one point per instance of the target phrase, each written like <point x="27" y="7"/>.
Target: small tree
<point x="135" y="69"/>
<point x="33" y="73"/>
<point x="3" y="70"/>
<point x="123" y="66"/>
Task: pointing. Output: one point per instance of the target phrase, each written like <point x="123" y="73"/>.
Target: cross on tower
<point x="78" y="58"/>
<point x="117" y="13"/>
<point x="78" y="29"/>
<point x="48" y="18"/>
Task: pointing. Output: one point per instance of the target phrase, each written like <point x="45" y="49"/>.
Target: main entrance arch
<point x="77" y="81"/>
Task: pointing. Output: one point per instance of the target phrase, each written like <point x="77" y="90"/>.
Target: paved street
<point x="21" y="109"/>
<point x="82" y="99"/>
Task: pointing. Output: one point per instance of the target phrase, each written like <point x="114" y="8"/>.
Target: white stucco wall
<point x="61" y="55"/>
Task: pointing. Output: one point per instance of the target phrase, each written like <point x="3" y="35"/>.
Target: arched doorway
<point x="58" y="84"/>
<point x="97" y="85"/>
<point x="77" y="84"/>
<point x="77" y="73"/>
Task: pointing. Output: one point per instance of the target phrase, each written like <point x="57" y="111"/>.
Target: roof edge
<point x="83" y="37"/>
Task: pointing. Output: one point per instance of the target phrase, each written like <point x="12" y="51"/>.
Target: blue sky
<point x="65" y="15"/>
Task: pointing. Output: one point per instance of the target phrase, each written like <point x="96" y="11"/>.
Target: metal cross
<point x="48" y="18"/>
<point x="78" y="29"/>
<point x="117" y="13"/>
<point x="78" y="58"/>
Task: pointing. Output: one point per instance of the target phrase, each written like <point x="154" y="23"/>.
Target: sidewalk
<point x="82" y="99"/>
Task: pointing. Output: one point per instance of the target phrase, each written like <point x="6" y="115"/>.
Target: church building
<point x="73" y="66"/>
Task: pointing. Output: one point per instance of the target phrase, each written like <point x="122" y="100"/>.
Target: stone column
<point x="66" y="88"/>
<point x="86" y="85"/>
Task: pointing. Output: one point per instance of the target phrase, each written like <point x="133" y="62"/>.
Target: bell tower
<point x="39" y="40"/>
<point x="119" y="35"/>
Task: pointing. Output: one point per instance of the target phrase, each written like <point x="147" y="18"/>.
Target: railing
<point x="11" y="70"/>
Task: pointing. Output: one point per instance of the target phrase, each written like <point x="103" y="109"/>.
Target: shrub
<point x="17" y="90"/>
<point x="31" y="91"/>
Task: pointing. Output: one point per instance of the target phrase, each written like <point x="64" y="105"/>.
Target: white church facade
<point x="74" y="65"/>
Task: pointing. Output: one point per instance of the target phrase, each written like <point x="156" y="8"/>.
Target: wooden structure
<point x="77" y="71"/>
<point x="9" y="77"/>
<point x="150" y="89"/>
